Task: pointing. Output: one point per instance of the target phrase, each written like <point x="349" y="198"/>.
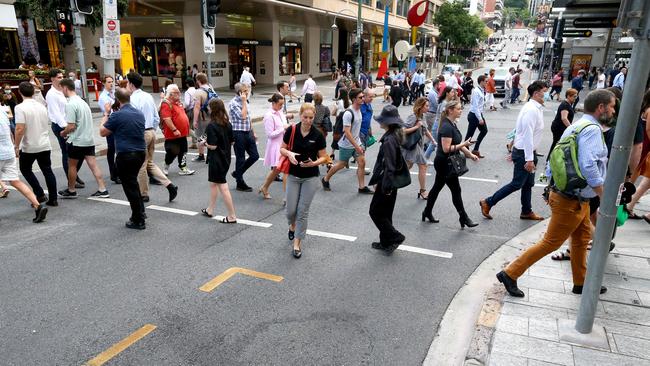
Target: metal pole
<point x="541" y="60"/>
<point x="359" y="30"/>
<point x="80" y="55"/>
<point x="617" y="167"/>
<point x="609" y="40"/>
<point x="209" y="69"/>
<point x="447" y="52"/>
<point x="557" y="32"/>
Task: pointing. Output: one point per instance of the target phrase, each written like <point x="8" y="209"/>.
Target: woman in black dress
<point x="219" y="140"/>
<point x="450" y="141"/>
<point x="563" y="117"/>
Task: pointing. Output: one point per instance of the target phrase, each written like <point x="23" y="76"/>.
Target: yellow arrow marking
<point x="225" y="276"/>
<point x="125" y="343"/>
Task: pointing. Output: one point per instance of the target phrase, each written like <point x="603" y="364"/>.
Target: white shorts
<point x="489" y="99"/>
<point x="8" y="170"/>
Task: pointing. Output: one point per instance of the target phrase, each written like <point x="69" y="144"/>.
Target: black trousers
<point x="110" y="156"/>
<point x="244" y="144"/>
<point x="128" y="166"/>
<point x="381" y="213"/>
<point x="309" y="98"/>
<point x="472" y="126"/>
<point x="176" y="148"/>
<point x="27" y="160"/>
<point x="442" y="179"/>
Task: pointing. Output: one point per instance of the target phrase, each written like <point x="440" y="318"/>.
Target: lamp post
<point x="358" y="38"/>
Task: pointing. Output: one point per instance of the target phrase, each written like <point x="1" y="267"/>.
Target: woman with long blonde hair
<point x="415" y="124"/>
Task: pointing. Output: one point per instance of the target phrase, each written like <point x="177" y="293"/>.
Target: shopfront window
<point x="325" y="54"/>
<point x="382" y="4"/>
<point x="160" y="56"/>
<point x="291" y="40"/>
<point x="403" y="7"/>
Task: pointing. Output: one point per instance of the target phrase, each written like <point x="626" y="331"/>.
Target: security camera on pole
<point x="209" y="11"/>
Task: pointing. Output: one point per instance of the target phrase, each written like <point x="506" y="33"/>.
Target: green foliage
<point x="458" y="26"/>
<point x="513" y="15"/>
<point x="44" y="11"/>
<point x="519" y="4"/>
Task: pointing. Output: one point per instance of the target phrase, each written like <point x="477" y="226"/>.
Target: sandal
<point x="4" y="194"/>
<point x="205" y="212"/>
<point x="561" y="256"/>
<point x="422" y="194"/>
<point x="265" y="194"/>
<point x="226" y="220"/>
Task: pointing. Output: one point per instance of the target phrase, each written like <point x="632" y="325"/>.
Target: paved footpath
<point x="485" y="326"/>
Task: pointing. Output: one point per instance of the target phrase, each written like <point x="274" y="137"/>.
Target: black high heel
<point x="421" y="194"/>
<point x="430" y="217"/>
<point x="466" y="221"/>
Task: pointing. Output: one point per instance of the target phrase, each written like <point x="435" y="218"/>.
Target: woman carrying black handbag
<point x="390" y="174"/>
<point x="450" y="142"/>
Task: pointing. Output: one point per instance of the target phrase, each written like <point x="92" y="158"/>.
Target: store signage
<point x="208" y="40"/>
<point x="158" y="40"/>
<point x="604" y="22"/>
<point x="577" y="33"/>
<point x="110" y="9"/>
<point x="325" y="45"/>
<point x="110" y="47"/>
<point x="250" y="41"/>
<point x="290" y="44"/>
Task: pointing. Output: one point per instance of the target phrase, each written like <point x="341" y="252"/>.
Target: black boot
<point x="466" y="221"/>
<point x="510" y="284"/>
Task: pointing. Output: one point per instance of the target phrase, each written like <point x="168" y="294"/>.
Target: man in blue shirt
<point x="619" y="80"/>
<point x="570" y="216"/>
<point x="126" y="126"/>
<point x="577" y="84"/>
<point x="366" y="117"/>
<point x="245" y="139"/>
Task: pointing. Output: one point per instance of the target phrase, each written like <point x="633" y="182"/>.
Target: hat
<point x="389" y="116"/>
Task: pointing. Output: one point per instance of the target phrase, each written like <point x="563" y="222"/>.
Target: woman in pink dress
<point x="275" y="123"/>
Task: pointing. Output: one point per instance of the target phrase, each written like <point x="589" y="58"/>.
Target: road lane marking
<point x="173" y="210"/>
<point x="435" y="253"/>
<point x="196" y="154"/>
<point x="412" y="173"/>
<point x="480" y="179"/>
<point x="110" y="200"/>
<point x="331" y="235"/>
<point x="11" y="188"/>
<point x="225" y="276"/>
<point x="246" y="222"/>
<point x="125" y="343"/>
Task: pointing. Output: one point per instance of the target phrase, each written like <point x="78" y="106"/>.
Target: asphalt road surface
<point x="80" y="287"/>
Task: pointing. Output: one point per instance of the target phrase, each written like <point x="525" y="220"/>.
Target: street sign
<point x="604" y="22"/>
<point x="111" y="40"/>
<point x="578" y="33"/>
<point x="110" y="9"/>
<point x="401" y="50"/>
<point x="208" y="40"/>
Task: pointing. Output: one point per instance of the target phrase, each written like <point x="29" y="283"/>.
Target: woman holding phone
<point x="450" y="141"/>
<point x="306" y="154"/>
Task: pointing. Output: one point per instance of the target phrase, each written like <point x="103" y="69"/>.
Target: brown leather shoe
<point x="485" y="209"/>
<point x="531" y="216"/>
<point x="478" y="153"/>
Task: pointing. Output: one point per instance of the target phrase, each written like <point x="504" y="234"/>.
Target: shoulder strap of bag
<point x="293" y="132"/>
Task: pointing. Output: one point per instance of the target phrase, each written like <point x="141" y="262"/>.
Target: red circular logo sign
<point x="111" y="25"/>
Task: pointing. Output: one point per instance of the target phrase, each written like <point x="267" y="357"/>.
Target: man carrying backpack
<point x="202" y="97"/>
<point x="350" y="143"/>
<point x="570" y="194"/>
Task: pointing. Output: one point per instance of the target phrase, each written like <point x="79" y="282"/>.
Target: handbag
<point x="402" y="176"/>
<point x="457" y="164"/>
<point x="285" y="164"/>
<point x="412" y="139"/>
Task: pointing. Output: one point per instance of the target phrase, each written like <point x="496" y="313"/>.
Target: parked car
<point x="500" y="80"/>
<point x="502" y="57"/>
<point x="525" y="59"/>
<point x="449" y="69"/>
<point x="514" y="58"/>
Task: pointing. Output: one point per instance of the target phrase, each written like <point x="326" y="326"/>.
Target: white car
<point x="489" y="57"/>
<point x="502" y="57"/>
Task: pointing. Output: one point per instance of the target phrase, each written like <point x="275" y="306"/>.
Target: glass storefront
<point x="291" y="40"/>
<point x="160" y="56"/>
<point x="325" y="54"/>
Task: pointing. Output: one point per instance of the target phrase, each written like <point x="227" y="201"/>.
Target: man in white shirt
<point x="508" y="87"/>
<point x="32" y="143"/>
<point x="106" y="100"/>
<point x="350" y="144"/>
<point x="248" y="80"/>
<point x="56" y="102"/>
<point x="144" y="103"/>
<point x="530" y="126"/>
<point x="600" y="84"/>
<point x="77" y="83"/>
<point x="308" y="89"/>
<point x="188" y="103"/>
<point x="619" y="80"/>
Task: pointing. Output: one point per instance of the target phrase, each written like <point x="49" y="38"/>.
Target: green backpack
<point x="563" y="160"/>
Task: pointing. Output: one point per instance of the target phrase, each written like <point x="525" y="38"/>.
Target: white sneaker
<point x="165" y="169"/>
<point x="186" y="171"/>
<point x="429" y="162"/>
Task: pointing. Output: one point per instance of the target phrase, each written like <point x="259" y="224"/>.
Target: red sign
<point x="111" y="25"/>
<point x="416" y="15"/>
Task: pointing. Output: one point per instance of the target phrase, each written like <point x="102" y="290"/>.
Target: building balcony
<point x="498" y="5"/>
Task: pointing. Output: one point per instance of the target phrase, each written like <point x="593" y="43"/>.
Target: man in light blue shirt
<point x="144" y="103"/>
<point x="475" y="116"/>
<point x="619" y="80"/>
<point x="106" y="100"/>
<point x="570" y="212"/>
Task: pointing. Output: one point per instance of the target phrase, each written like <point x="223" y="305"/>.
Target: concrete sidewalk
<point x="483" y="325"/>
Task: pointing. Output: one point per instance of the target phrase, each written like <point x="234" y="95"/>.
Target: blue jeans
<point x="244" y="144"/>
<point x="521" y="179"/>
<point x="515" y="95"/>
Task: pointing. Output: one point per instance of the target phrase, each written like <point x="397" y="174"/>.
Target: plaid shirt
<point x="236" y="119"/>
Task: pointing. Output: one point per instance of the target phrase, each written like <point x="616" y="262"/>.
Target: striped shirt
<point x="236" y="119"/>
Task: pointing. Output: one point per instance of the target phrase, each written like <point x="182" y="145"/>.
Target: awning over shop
<point x="8" y="16"/>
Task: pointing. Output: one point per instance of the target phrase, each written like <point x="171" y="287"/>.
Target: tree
<point x="519" y="4"/>
<point x="44" y="11"/>
<point x="462" y="30"/>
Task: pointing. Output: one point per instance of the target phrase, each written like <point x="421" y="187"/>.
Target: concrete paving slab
<point x="542" y="350"/>
<point x="513" y="324"/>
<point x="533" y="311"/>
<point x="543" y="329"/>
<point x="644" y="297"/>
<point x="568" y="334"/>
<point x="501" y="359"/>
<point x="592" y="357"/>
<point x="628" y="313"/>
<point x="541" y="283"/>
<point x="633" y="346"/>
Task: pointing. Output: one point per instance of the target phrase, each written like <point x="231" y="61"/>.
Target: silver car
<point x="500" y="80"/>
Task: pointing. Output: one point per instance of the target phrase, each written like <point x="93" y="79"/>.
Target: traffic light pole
<point x="357" y="69"/>
<point x="80" y="55"/>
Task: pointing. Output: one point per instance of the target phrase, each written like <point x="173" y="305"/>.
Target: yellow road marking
<point x="125" y="343"/>
<point x="225" y="276"/>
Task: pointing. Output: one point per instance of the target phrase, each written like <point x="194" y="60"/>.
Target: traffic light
<point x="86" y="6"/>
<point x="209" y="13"/>
<point x="64" y="27"/>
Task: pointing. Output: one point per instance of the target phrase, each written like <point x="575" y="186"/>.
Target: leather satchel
<point x="457" y="164"/>
<point x="285" y="164"/>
